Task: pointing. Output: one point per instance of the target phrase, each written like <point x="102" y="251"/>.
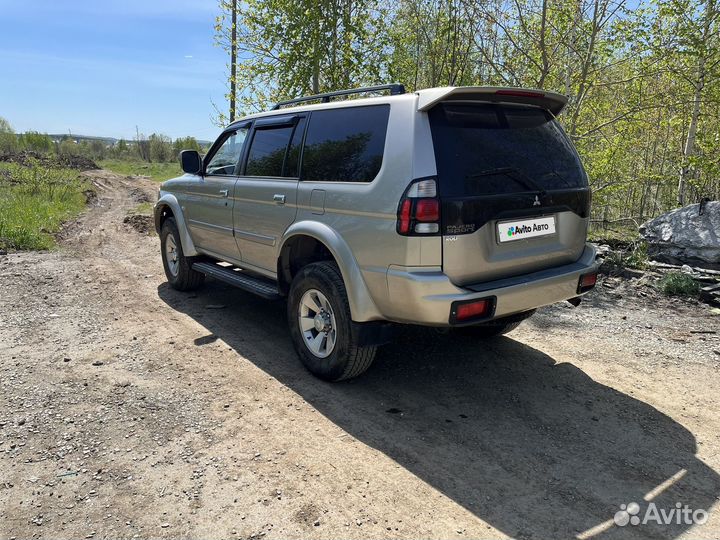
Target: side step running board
<point x="238" y="279"/>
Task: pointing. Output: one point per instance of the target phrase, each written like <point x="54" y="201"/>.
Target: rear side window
<point x="292" y="161"/>
<point x="487" y="149"/>
<point x="267" y="151"/>
<point x="345" y="145"/>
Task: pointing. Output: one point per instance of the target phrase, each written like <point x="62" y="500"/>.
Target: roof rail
<point x="394" y="88"/>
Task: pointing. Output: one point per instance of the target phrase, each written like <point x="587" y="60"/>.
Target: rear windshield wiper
<point x="513" y="173"/>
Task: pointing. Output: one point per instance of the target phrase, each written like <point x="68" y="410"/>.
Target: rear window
<point x="345" y="145"/>
<point x="487" y="149"/>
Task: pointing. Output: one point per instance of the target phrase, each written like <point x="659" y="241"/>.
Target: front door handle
<point x="279" y="199"/>
<point x="224" y="192"/>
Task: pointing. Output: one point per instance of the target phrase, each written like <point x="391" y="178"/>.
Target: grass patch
<point x="157" y="171"/>
<point x="34" y="202"/>
<point x="679" y="284"/>
<point x="635" y="256"/>
<point x="615" y="238"/>
<point x="143" y="209"/>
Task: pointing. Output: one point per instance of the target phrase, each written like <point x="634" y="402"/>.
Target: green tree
<point x="184" y="143"/>
<point x="38" y="142"/>
<point x="691" y="48"/>
<point x="300" y="47"/>
<point x="642" y="78"/>
<point x="433" y="43"/>
<point x="160" y="147"/>
<point x="8" y="139"/>
<point x="68" y="147"/>
<point x="97" y="149"/>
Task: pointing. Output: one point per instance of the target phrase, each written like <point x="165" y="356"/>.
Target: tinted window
<point x="345" y="145"/>
<point x="267" y="151"/>
<point x="485" y="149"/>
<point x="223" y="161"/>
<point x="292" y="162"/>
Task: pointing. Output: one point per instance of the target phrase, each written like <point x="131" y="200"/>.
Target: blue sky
<point x="102" y="67"/>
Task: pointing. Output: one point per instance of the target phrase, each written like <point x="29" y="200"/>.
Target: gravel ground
<point x="128" y="409"/>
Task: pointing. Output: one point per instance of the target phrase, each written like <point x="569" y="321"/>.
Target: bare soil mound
<point x="28" y="157"/>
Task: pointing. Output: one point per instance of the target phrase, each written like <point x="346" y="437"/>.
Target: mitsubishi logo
<point x="537" y="201"/>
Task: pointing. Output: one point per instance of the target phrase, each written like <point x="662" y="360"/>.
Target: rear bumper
<point x="424" y="296"/>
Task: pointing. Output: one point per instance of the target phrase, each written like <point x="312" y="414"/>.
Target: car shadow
<point x="532" y="446"/>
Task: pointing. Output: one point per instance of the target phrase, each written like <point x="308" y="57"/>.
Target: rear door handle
<point x="224" y="192"/>
<point x="279" y="199"/>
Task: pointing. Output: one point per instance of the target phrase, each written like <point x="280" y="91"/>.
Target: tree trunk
<point x="543" y="47"/>
<point x="689" y="149"/>
<point x="587" y="63"/>
<point x="233" y="59"/>
<point x="699" y="85"/>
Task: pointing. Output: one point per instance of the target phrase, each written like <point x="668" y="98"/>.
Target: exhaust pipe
<point x="575" y="301"/>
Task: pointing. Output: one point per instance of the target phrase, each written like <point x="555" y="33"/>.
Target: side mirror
<point x="191" y="161"/>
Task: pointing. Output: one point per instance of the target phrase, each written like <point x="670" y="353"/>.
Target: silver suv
<point x="447" y="207"/>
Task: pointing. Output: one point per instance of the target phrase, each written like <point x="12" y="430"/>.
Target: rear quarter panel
<point x="365" y="214"/>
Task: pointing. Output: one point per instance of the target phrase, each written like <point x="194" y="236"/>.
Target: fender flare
<point x="168" y="200"/>
<point x="362" y="306"/>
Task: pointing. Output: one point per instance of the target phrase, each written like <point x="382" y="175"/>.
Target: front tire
<point x="321" y="326"/>
<point x="178" y="267"/>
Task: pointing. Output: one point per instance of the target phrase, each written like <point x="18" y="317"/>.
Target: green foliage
<point x="642" y="79"/>
<point x="134" y="167"/>
<point x="433" y="42"/>
<point x="8" y="143"/>
<point x="635" y="256"/>
<point x="96" y="149"/>
<point x="8" y="139"/>
<point x="617" y="236"/>
<point x="5" y="126"/>
<point x="160" y="147"/>
<point x="69" y="147"/>
<point x="679" y="284"/>
<point x="143" y="209"/>
<point x="286" y="49"/>
<point x="185" y="143"/>
<point x="38" y="142"/>
<point x="34" y="201"/>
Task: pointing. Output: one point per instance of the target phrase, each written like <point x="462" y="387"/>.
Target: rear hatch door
<point x="513" y="192"/>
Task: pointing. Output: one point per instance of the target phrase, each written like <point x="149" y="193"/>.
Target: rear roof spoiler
<point x="551" y="101"/>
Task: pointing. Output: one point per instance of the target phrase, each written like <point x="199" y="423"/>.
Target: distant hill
<point x="107" y="141"/>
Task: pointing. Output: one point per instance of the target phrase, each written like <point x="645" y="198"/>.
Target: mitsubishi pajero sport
<point x="445" y="207"/>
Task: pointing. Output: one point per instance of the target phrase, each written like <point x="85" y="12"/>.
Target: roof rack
<point x="395" y="89"/>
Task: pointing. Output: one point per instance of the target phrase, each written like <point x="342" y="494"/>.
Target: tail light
<point x="472" y="310"/>
<point x="586" y="282"/>
<point x="419" y="209"/>
<point x="519" y="93"/>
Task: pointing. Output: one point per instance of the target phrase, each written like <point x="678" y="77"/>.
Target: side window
<point x="223" y="162"/>
<point x="345" y="145"/>
<point x="267" y="151"/>
<point x="292" y="162"/>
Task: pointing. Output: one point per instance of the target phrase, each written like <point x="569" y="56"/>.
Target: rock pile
<point x="688" y="235"/>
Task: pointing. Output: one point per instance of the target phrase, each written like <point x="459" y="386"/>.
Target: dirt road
<point x="129" y="409"/>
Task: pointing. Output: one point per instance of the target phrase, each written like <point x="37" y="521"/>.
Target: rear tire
<point x="178" y="267"/>
<point x="497" y="327"/>
<point x="321" y="327"/>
